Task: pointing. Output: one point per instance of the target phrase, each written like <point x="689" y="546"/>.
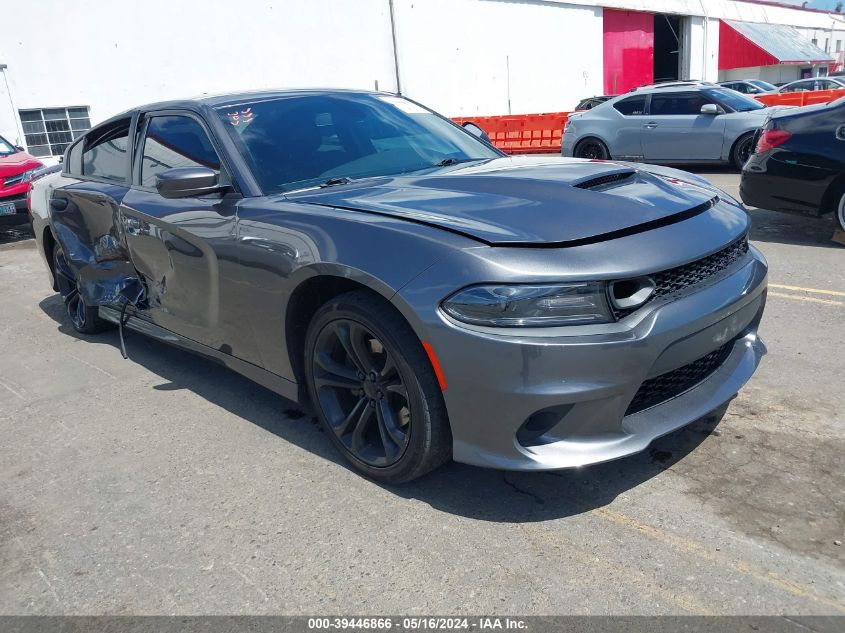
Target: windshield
<point x="734" y="100"/>
<point x="764" y="85"/>
<point x="6" y="147"/>
<point x="304" y="141"/>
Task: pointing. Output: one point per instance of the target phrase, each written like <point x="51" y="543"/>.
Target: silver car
<point x="814" y="83"/>
<point x="678" y="124"/>
<point x="426" y="295"/>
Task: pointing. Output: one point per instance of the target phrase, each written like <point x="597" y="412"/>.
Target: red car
<point x="16" y="170"/>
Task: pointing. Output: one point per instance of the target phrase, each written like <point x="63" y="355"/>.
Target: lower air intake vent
<point x="661" y="388"/>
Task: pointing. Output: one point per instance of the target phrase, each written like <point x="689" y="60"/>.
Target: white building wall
<point x="123" y="53"/>
<point x="462" y="57"/>
<point x="703" y="48"/>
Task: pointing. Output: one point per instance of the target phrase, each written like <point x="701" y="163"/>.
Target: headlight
<point x="27" y="175"/>
<point x="530" y="305"/>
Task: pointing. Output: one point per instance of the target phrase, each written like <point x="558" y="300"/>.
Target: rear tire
<point x="374" y="390"/>
<point x="84" y="318"/>
<point x="742" y="150"/>
<point x="592" y="149"/>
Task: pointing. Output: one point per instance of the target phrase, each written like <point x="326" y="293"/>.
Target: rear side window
<point x="175" y="141"/>
<point x="106" y="152"/>
<point x="632" y="106"/>
<point x="678" y="104"/>
<point x="73" y="159"/>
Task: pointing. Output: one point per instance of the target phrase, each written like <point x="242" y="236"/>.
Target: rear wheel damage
<point x="84" y="318"/>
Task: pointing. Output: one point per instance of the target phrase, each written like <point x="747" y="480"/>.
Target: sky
<point x="813" y="4"/>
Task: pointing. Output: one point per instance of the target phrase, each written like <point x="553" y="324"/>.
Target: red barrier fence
<point x="523" y="133"/>
<point x="801" y="98"/>
<point x="542" y="133"/>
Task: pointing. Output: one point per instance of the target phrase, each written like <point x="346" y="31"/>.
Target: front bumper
<point x="22" y="215"/>
<point x="586" y="383"/>
<point x="567" y="144"/>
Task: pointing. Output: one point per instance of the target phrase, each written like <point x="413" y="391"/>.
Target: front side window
<point x="297" y="142"/>
<point x="106" y="153"/>
<point x="678" y="104"/>
<point x="49" y="131"/>
<point x="632" y="106"/>
<point x="175" y="141"/>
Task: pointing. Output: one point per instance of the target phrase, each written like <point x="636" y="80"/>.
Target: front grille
<point x="676" y="279"/>
<point x="601" y="181"/>
<point x="13" y="180"/>
<point x="673" y="383"/>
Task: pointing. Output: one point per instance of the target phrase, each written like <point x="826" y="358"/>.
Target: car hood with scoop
<point x="529" y="201"/>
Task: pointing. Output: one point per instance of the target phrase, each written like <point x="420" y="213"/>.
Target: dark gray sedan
<point x="429" y="296"/>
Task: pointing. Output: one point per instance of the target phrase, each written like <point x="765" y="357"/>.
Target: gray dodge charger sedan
<point x="428" y="296"/>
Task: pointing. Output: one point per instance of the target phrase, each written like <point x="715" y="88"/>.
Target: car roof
<point x="675" y="87"/>
<point x="668" y="85"/>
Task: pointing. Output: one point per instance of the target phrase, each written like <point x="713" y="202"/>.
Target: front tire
<point x="84" y="318"/>
<point x="742" y="150"/>
<point x="592" y="149"/>
<point x="374" y="390"/>
<point x="840" y="213"/>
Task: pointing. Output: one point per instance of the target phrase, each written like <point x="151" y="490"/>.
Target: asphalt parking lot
<point x="167" y="484"/>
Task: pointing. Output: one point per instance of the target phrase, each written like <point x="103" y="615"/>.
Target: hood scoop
<point x="600" y="182"/>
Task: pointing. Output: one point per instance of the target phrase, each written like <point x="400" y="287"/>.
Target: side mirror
<point x="473" y="129"/>
<point x="20" y="148"/>
<point x="710" y="108"/>
<point x="188" y="182"/>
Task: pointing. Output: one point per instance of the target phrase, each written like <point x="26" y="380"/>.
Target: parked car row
<point x="426" y="295"/>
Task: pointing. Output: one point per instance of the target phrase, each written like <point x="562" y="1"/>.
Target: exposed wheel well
<point x="304" y="302"/>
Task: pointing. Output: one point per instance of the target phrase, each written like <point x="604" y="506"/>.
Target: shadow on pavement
<point x="477" y="493"/>
<point x="786" y="228"/>
<point x="17" y="233"/>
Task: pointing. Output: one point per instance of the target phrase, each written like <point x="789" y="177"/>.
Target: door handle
<point x="650" y="125"/>
<point x="58" y="204"/>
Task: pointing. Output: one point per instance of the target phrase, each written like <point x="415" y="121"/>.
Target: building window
<point x="49" y="131"/>
<point x="838" y="46"/>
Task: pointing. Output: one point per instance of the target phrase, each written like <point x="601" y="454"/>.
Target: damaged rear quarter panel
<point x="88" y="229"/>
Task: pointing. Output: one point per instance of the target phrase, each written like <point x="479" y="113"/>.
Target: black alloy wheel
<point x="361" y="392"/>
<point x="743" y="150"/>
<point x="374" y="389"/>
<point x="592" y="149"/>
